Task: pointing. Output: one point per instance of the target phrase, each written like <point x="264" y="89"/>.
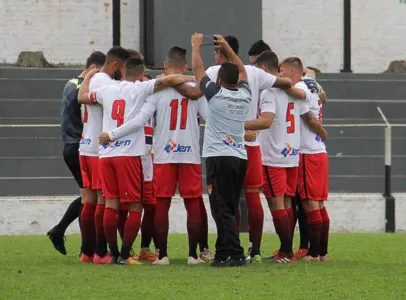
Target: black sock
<point x="302" y="218"/>
<point x="70" y="215"/>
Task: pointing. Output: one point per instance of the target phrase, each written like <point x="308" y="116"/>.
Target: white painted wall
<point x="67" y="31"/>
<point x="348" y="213"/>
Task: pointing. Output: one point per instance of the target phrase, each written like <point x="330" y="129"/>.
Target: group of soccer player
<point x="140" y="144"/>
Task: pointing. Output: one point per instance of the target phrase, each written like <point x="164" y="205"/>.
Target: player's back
<point x="177" y="129"/>
<point x="92" y="118"/>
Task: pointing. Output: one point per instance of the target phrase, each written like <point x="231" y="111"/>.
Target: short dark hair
<point x="134" y="66"/>
<point x="269" y="59"/>
<point x="229" y="73"/>
<point x="148" y="76"/>
<point x="177" y="56"/>
<point x="258" y="47"/>
<point x="135" y="53"/>
<point x="233" y="42"/>
<point x="118" y="53"/>
<point x="295" y="62"/>
<point x="97" y="58"/>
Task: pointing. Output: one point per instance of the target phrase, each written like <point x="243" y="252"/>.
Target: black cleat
<point x="235" y="262"/>
<point x="216" y="263"/>
<point x="57" y="240"/>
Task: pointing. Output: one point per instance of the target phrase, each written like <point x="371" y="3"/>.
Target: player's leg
<point x="274" y="190"/>
<point x="230" y="178"/>
<point x="291" y="187"/>
<point x="56" y="234"/>
<point x="112" y="205"/>
<point x="314" y="225"/>
<point x="301" y="214"/>
<point x="205" y="252"/>
<point x="101" y="255"/>
<point x="325" y="229"/>
<point x="149" y="202"/>
<point x="252" y="183"/>
<point x="165" y="179"/>
<point x="121" y="219"/>
<point x="190" y="189"/>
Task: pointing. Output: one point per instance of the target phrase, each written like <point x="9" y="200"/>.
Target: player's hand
<point x="104" y="138"/>
<point x="311" y="85"/>
<point x="197" y="40"/>
<point x="250" y="136"/>
<point x="221" y="43"/>
<point x="91" y="73"/>
<point x="160" y="75"/>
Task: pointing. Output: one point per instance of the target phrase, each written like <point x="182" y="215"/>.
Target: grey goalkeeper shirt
<point x="71" y="120"/>
<point x="227" y="112"/>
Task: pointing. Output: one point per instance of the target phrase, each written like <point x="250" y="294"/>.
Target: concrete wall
<point x="68" y="30"/>
<point x="348" y="213"/>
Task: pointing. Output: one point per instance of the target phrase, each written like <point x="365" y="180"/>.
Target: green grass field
<point x="362" y="266"/>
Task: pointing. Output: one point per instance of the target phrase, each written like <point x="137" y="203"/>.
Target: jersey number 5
<point x="174" y="114"/>
<point x="290" y="117"/>
<point x="117" y="112"/>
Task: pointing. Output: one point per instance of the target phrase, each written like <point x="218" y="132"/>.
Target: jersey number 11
<point x="174" y="114"/>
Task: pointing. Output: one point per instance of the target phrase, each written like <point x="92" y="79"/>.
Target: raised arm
<point x="224" y="46"/>
<point x="190" y="92"/>
<point x="171" y="80"/>
<point x="83" y="94"/>
<point x="197" y="62"/>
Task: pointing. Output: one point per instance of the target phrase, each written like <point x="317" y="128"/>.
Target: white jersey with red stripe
<point x="122" y="102"/>
<point x="258" y="80"/>
<point x="311" y="142"/>
<point x="280" y="143"/>
<point x="92" y="116"/>
<point x="177" y="131"/>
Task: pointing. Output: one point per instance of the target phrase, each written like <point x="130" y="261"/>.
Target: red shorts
<point x="122" y="178"/>
<point x="148" y="193"/>
<point x="313" y="176"/>
<point x="188" y="177"/>
<point x="279" y="181"/>
<point x="89" y="168"/>
<point x="253" y="176"/>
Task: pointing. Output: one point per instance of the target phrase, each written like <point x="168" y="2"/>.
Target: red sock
<point x="325" y="228"/>
<point x="132" y="226"/>
<point x="121" y="219"/>
<point x="291" y="220"/>
<point x="161" y="225"/>
<point x="314" y="231"/>
<point x="282" y="228"/>
<point x="147" y="225"/>
<point x="204" y="227"/>
<point x="192" y="206"/>
<point x="238" y="219"/>
<point x="87" y="229"/>
<point x="101" y="243"/>
<point x="110" y="230"/>
<point x="255" y="220"/>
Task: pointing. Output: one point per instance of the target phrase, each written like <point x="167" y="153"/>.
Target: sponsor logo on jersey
<point x="229" y="142"/>
<point x="289" y="151"/>
<point x="84" y="141"/>
<point x="171" y="146"/>
<point x="319" y="139"/>
<point x="117" y="144"/>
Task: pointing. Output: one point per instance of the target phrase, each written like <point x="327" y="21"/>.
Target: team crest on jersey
<point x="117" y="144"/>
<point x="289" y="151"/>
<point x="229" y="142"/>
<point x="172" y="146"/>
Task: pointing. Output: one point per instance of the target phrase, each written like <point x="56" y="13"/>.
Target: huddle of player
<point x="122" y="178"/>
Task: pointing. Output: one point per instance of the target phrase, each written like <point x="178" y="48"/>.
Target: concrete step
<point x="30" y="108"/>
<point x="33" y="167"/>
<point x="365" y="184"/>
<point x="31" y="147"/>
<point x="22" y="132"/>
<point x="30" y="120"/>
<point x="39" y="73"/>
<point x="363" y="131"/>
<point x="40" y="186"/>
<point x="18" y="88"/>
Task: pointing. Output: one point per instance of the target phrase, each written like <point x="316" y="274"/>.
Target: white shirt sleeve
<point x="301" y="85"/>
<point x="147" y="111"/>
<point x="144" y="88"/>
<point x="265" y="80"/>
<point x="202" y="105"/>
<point x="212" y="72"/>
<point x="303" y="107"/>
<point x="268" y="101"/>
<point x="96" y="96"/>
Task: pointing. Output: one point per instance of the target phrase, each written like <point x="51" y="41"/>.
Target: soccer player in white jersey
<point x="92" y="215"/>
<point x="280" y="150"/>
<point x="258" y="80"/>
<point x="176" y="155"/>
<point x="120" y="162"/>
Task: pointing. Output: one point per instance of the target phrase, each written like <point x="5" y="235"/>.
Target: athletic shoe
<point x="194" y="261"/>
<point x="146" y="254"/>
<point x="281" y="258"/>
<point x="206" y="255"/>
<point x="57" y="240"/>
<point x="128" y="261"/>
<point x="257" y="259"/>
<point x="105" y="260"/>
<point x="311" y="258"/>
<point x="301" y="253"/>
<point x="248" y="255"/>
<point x="233" y="262"/>
<point x="84" y="259"/>
<point x="133" y="255"/>
<point x="162" y="262"/>
<point x="324" y="258"/>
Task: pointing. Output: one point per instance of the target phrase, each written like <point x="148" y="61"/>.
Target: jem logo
<point x="229" y="142"/>
<point x="289" y="151"/>
<point x="318" y="138"/>
<point x="117" y="144"/>
<point x="171" y="146"/>
<point x="85" y="141"/>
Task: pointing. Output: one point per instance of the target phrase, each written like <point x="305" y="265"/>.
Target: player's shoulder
<point x="212" y="72"/>
<point x="301" y="85"/>
<point x="99" y="80"/>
